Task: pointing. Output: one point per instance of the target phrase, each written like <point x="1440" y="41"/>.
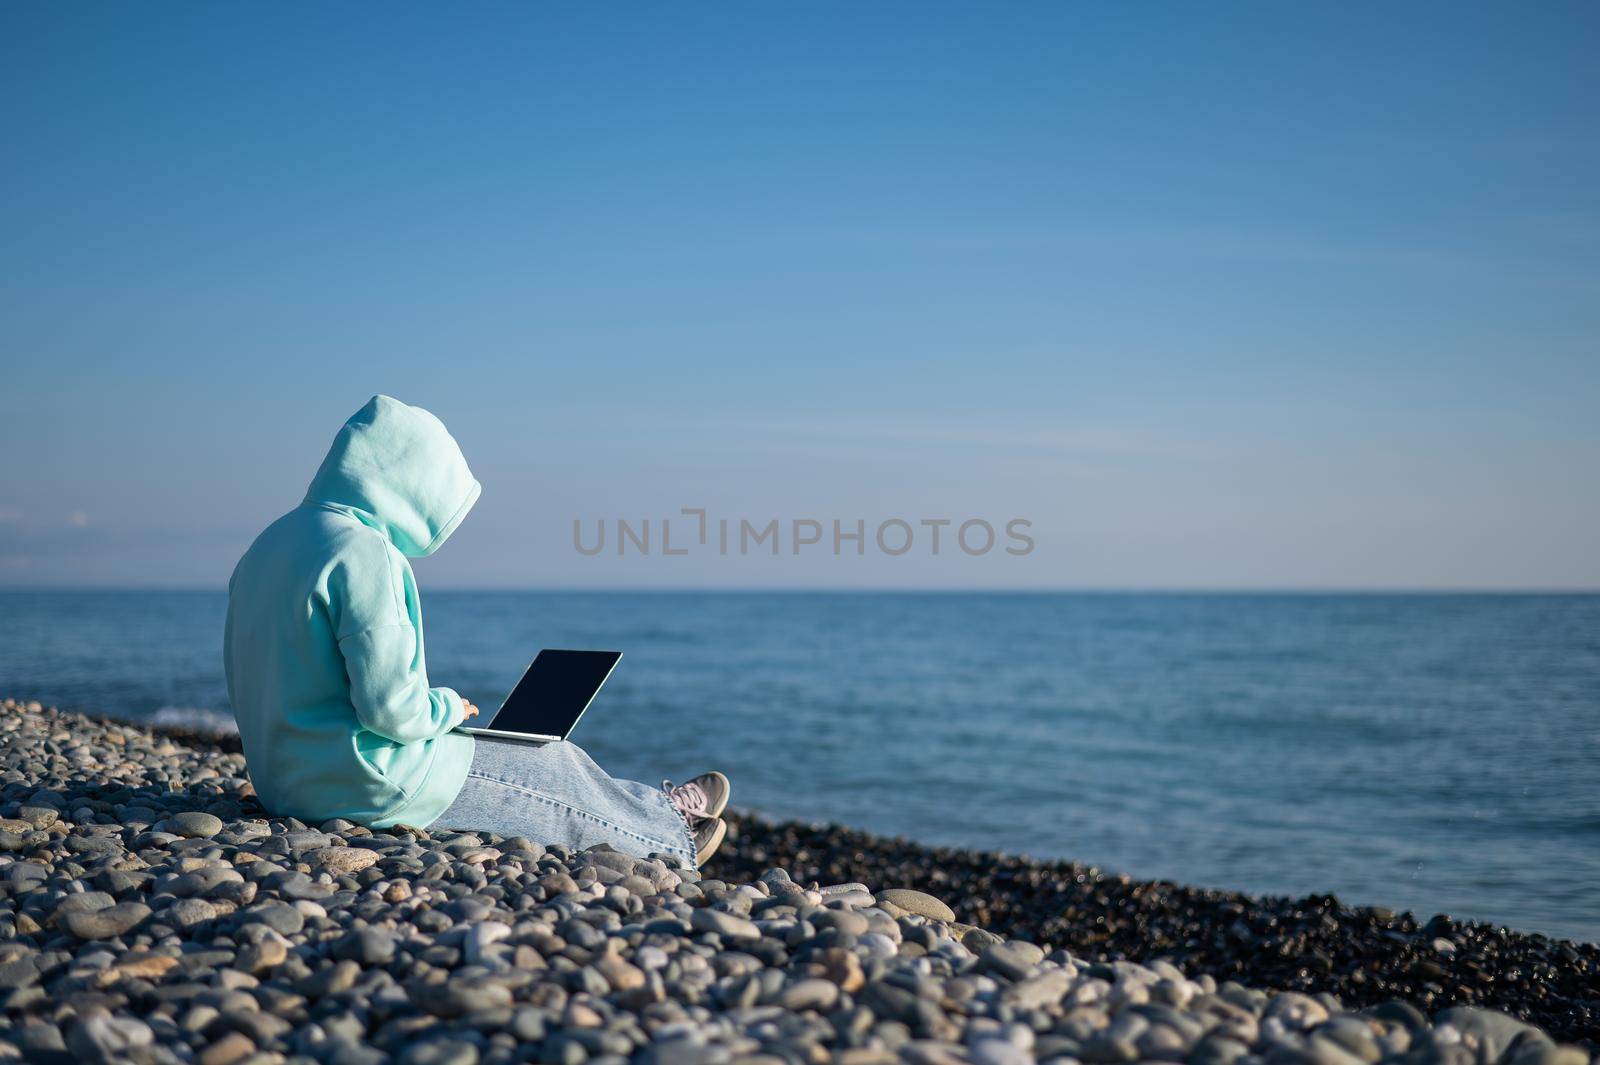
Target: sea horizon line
<point x="1242" y="591"/>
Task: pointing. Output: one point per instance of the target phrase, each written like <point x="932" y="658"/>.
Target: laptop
<point x="552" y="695"/>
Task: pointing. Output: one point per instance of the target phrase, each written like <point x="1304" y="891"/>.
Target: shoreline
<point x="1366" y="955"/>
<point x="151" y="912"/>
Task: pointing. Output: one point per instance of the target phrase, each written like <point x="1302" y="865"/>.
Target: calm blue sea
<point x="1437" y="753"/>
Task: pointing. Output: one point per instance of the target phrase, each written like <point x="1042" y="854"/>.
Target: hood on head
<point x="402" y="472"/>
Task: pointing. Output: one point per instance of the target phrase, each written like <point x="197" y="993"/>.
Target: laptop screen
<point x="553" y="693"/>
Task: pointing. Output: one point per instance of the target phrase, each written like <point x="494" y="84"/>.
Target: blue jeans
<point x="554" y="793"/>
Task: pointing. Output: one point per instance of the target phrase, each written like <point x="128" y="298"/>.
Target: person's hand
<point x="468" y="710"/>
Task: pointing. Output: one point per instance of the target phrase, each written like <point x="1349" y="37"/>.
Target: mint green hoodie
<point x="323" y="647"/>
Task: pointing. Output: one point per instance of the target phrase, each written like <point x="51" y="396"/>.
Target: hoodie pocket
<point x="373" y="760"/>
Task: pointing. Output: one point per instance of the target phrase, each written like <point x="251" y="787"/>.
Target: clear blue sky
<point x="1253" y="295"/>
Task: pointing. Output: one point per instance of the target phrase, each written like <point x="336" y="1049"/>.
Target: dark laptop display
<point x="552" y="695"/>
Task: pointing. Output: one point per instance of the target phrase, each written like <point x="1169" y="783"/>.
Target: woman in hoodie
<point x="323" y="652"/>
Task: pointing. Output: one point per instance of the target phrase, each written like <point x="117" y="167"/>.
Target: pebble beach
<point x="151" y="911"/>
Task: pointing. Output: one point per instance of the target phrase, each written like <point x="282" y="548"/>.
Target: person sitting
<point x="323" y="651"/>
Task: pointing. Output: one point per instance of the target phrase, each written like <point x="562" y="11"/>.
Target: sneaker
<point x="708" y="837"/>
<point x="706" y="796"/>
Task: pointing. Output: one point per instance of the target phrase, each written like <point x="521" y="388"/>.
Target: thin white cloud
<point x="78" y="519"/>
<point x="1081" y="441"/>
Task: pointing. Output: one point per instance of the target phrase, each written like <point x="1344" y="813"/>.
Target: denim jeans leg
<point x="554" y="793"/>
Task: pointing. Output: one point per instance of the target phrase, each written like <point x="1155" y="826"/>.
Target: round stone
<point x="186" y="913"/>
<point x="847" y="921"/>
<point x="108" y="1038"/>
<point x="917" y="902"/>
<point x="107" y="923"/>
<point x="813" y="994"/>
<point x="978" y="939"/>
<point x="1012" y="959"/>
<point x="341" y="861"/>
<point x="726" y="925"/>
<point x="366" y="946"/>
<point x="196" y="824"/>
<point x="278" y="916"/>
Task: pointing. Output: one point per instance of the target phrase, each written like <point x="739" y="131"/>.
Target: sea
<point x="1438" y="753"/>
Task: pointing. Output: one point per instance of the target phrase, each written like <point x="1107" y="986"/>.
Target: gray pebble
<point x="279" y="916"/>
<point x="440" y="1052"/>
<point x="108" y="1038"/>
<point x="999" y="1052"/>
<point x="104" y="924"/>
<point x="366" y="946"/>
<point x="726" y="925"/>
<point x="1012" y="959"/>
<point x="195" y="825"/>
<point x="917" y="902"/>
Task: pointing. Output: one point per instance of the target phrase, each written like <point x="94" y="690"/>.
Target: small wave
<point x="199" y="718"/>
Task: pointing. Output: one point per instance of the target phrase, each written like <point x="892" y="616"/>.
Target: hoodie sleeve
<point x="391" y="697"/>
<point x="378" y="639"/>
